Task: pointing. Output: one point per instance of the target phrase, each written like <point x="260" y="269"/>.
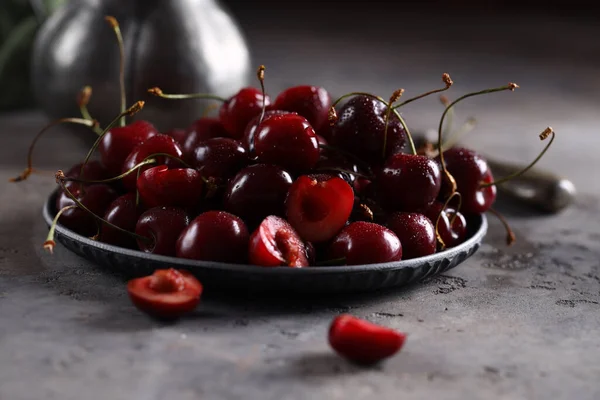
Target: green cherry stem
<point x="49" y="244"/>
<point x="447" y="81"/>
<point x="393" y="98"/>
<point x="83" y="99"/>
<point x="156" y="91"/>
<point x="114" y="24"/>
<point x="147" y="161"/>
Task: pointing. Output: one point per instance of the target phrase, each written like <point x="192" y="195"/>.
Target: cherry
<point x="408" y="182"/>
<point x="214" y="236"/>
<point x="337" y="165"/>
<point x="362" y="341"/>
<point x="219" y="158"/>
<point x="154" y="145"/>
<point x="248" y="139"/>
<point x="179" y="135"/>
<point x="201" y="130"/>
<point x="118" y="142"/>
<point x="237" y="111"/>
<point x="311" y="102"/>
<point x="257" y="191"/>
<point x="416" y="233"/>
<point x="451" y="226"/>
<point x="288" y="141"/>
<point x="360" y="130"/>
<point x="319" y="206"/>
<point x="167" y="293"/>
<point x="275" y="243"/>
<point x="95" y="197"/>
<point x="162" y="226"/>
<point x="365" y="243"/>
<point x="178" y="187"/>
<point x="123" y="213"/>
<point x="92" y="171"/>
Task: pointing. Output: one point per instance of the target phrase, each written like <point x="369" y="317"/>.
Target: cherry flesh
<point x="219" y="158"/>
<point x="365" y="243"/>
<point x="123" y="213"/>
<point x="311" y="102"/>
<point x="215" y="236"/>
<point x="237" y="111"/>
<point x="248" y="139"/>
<point x="117" y="143"/>
<point x="275" y="243"/>
<point x="451" y="233"/>
<point x="416" y="233"/>
<point x="201" y="130"/>
<point x="94" y="170"/>
<point x="161" y="226"/>
<point x="288" y="141"/>
<point x="319" y="206"/>
<point x="177" y="187"/>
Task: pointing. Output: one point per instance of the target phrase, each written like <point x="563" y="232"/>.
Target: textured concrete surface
<point x="510" y="323"/>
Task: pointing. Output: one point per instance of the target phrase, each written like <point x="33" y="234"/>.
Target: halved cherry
<point x="275" y="243"/>
<point x="167" y="293"/>
<point x="318" y="206"/>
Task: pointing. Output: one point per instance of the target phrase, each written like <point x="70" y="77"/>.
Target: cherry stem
<point x="60" y="178"/>
<point x="83" y="99"/>
<point x="114" y="24"/>
<point x="334" y="261"/>
<point x="136" y="107"/>
<point x="156" y="91"/>
<point x="437" y="220"/>
<point x="29" y="170"/>
<point x="50" y="243"/>
<point x="451" y="113"/>
<point x="333" y="114"/>
<point x="345" y="153"/>
<point x="447" y="81"/>
<point x="260" y="74"/>
<point x="510" y="234"/>
<point x="393" y="98"/>
<point x="366" y="210"/>
<point x="146" y="161"/>
<point x="543" y="136"/>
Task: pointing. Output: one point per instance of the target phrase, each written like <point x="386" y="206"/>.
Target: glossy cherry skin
<point x="179" y="135"/>
<point x="365" y="243"/>
<point x="319" y="206"/>
<point x="177" y="187"/>
<point x="453" y="233"/>
<point x="408" y="182"/>
<point x="470" y="170"/>
<point x="95" y="197"/>
<point x="123" y="213"/>
<point x="248" y="139"/>
<point x="156" y="144"/>
<point x="311" y="102"/>
<point x="337" y="165"/>
<point x="219" y="158"/>
<point x="275" y="243"/>
<point x="201" y="130"/>
<point x="94" y="170"/>
<point x="237" y="111"/>
<point x="288" y="141"/>
<point x="360" y="130"/>
<point x="162" y="226"/>
<point x="416" y="233"/>
<point x="117" y="143"/>
<point x="257" y="191"/>
<point x="167" y="293"/>
<point x="215" y="236"/>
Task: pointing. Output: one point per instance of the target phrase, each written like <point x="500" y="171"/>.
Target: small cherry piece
<point x="319" y="206"/>
<point x="154" y="145"/>
<point x="416" y="233"/>
<point x="92" y="171"/>
<point x="363" y="342"/>
<point x="257" y="191"/>
<point x="408" y="182"/>
<point x="96" y="197"/>
<point x="275" y="243"/>
<point x="365" y="243"/>
<point x="215" y="236"/>
<point x="312" y="102"/>
<point x="288" y="141"/>
<point x="162" y="225"/>
<point x="167" y="293"/>
<point x="219" y="158"/>
<point x="248" y="139"/>
<point x="179" y="135"/>
<point x="177" y="187"/>
<point x="237" y="111"/>
<point x="451" y="226"/>
<point x="200" y="131"/>
<point x="117" y="143"/>
<point x="123" y="213"/>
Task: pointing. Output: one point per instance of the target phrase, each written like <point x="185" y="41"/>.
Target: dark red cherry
<point x="408" y="182"/>
<point x="93" y="171"/>
<point x="288" y="141"/>
<point x="237" y="111"/>
<point x="201" y="130"/>
<point x="416" y="233"/>
<point x="123" y="213"/>
<point x="117" y="143"/>
<point x="219" y="158"/>
<point x="177" y="187"/>
<point x="337" y="165"/>
<point x="156" y="144"/>
<point x="257" y="191"/>
<point x="179" y="135"/>
<point x="311" y="102"/>
<point x="275" y="243"/>
<point x="215" y="236"/>
<point x="360" y="130"/>
<point x="318" y="207"/>
<point x="365" y="243"/>
<point x="453" y="233"/>
<point x="162" y="227"/>
<point x="469" y="170"/>
<point x="248" y="139"/>
<point x="95" y="197"/>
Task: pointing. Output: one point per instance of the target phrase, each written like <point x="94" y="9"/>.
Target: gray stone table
<point x="510" y="323"/>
